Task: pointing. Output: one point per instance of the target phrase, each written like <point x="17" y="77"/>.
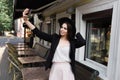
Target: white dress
<point x="61" y="68"/>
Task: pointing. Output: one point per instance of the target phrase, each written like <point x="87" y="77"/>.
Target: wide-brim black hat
<point x="66" y="19"/>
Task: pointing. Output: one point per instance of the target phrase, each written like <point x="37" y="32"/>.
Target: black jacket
<point x="54" y="39"/>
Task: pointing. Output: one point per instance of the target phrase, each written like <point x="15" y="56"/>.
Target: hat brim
<point x="64" y="20"/>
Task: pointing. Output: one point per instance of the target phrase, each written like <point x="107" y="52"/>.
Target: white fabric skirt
<point x="61" y="71"/>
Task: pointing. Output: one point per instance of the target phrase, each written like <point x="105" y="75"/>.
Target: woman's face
<point x="63" y="30"/>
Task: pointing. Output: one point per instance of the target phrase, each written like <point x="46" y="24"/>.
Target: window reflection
<point x="98" y="36"/>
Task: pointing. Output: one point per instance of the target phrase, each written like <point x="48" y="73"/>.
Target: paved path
<point x="4" y="63"/>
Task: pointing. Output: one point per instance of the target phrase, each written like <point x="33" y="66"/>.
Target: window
<point x="98" y="35"/>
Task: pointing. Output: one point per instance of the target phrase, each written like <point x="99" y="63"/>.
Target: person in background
<point x="61" y="58"/>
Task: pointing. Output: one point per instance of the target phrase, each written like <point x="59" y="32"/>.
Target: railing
<point x="27" y="62"/>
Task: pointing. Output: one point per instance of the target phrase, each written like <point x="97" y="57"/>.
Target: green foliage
<point x="6" y="14"/>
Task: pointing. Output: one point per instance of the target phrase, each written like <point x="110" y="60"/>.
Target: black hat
<point x="67" y="20"/>
<point x="63" y="20"/>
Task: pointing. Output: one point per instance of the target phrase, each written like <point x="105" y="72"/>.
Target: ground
<point x="4" y="63"/>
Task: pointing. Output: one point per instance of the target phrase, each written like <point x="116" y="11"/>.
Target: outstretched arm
<point x="35" y="30"/>
<point x="26" y="20"/>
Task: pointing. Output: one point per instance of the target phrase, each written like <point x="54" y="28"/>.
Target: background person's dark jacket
<point x="54" y="39"/>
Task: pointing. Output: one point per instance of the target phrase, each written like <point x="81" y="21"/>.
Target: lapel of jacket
<point x="72" y="47"/>
<point x="54" y="45"/>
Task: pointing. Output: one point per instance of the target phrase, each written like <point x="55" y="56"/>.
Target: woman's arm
<point x="26" y="19"/>
<point x="35" y="30"/>
<point x="42" y="35"/>
<point x="79" y="41"/>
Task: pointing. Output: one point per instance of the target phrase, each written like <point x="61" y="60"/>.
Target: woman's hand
<point x="25" y="14"/>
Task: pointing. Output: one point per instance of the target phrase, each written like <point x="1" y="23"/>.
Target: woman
<point x="61" y="58"/>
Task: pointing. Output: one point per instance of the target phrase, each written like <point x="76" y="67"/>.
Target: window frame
<point x="92" y="7"/>
<point x="98" y="21"/>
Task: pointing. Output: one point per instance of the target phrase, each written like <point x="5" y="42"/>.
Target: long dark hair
<point x="70" y="27"/>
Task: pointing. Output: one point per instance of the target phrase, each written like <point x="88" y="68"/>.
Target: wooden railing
<point x="28" y="62"/>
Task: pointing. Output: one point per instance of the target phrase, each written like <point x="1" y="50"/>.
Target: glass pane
<point x="98" y="37"/>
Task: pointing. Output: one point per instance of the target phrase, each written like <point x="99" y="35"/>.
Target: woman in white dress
<point x="61" y="58"/>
